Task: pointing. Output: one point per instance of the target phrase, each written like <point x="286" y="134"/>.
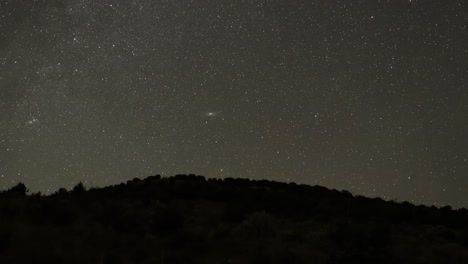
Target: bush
<point x="258" y="225"/>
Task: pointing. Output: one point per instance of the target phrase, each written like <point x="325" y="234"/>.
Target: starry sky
<point x="369" y="96"/>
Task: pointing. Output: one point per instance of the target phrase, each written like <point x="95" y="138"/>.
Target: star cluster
<point x="368" y="96"/>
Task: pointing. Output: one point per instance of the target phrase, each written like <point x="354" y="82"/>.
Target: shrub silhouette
<point x="257" y="225"/>
<point x="166" y="221"/>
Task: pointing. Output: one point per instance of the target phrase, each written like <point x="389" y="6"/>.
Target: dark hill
<point x="187" y="219"/>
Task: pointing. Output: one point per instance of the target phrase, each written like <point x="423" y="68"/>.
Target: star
<point x="32" y="121"/>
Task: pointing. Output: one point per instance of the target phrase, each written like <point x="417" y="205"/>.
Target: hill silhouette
<point x="190" y="219"/>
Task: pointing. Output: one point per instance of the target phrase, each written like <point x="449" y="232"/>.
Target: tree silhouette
<point x="19" y="189"/>
<point x="79" y="188"/>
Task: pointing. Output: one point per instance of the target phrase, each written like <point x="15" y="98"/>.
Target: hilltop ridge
<point x="190" y="219"/>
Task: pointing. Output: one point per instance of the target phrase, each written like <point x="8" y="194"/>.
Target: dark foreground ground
<point x="187" y="219"/>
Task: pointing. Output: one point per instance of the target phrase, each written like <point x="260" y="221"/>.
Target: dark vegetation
<point x="187" y="219"/>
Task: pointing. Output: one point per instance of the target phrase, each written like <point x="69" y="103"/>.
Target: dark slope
<point x="187" y="219"/>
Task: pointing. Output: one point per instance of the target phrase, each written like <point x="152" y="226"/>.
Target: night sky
<point x="367" y="96"/>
